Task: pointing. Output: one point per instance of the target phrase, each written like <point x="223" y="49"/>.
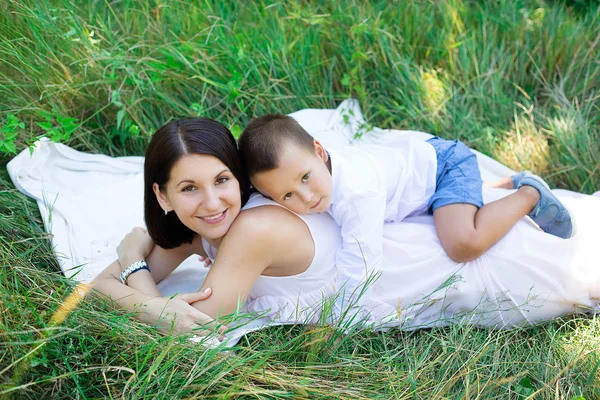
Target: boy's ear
<point x="161" y="197"/>
<point x="320" y="150"/>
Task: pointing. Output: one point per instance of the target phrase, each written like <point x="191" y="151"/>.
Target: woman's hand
<point x="176" y="315"/>
<point x="136" y="245"/>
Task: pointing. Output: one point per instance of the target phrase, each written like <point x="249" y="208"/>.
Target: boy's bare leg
<point x="504" y="183"/>
<point x="467" y="232"/>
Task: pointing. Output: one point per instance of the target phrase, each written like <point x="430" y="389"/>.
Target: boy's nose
<point x="307" y="196"/>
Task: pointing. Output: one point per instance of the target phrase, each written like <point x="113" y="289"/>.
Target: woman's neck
<point x="214" y="242"/>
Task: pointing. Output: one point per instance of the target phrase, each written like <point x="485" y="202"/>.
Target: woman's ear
<point x="161" y="197"/>
<point x="320" y="151"/>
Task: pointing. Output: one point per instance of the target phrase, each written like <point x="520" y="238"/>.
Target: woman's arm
<point x="168" y="314"/>
<point x="141" y="295"/>
<point x="266" y="237"/>
<point x="137" y="245"/>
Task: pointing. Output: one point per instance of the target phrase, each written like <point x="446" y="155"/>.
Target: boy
<point x="364" y="186"/>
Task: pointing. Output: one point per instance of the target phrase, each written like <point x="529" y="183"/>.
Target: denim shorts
<point x="458" y="180"/>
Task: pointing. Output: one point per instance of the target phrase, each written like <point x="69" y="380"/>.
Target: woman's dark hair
<point x="171" y="142"/>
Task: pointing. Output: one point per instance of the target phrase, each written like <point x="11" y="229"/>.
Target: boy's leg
<point x="467" y="232"/>
<point x="504" y="183"/>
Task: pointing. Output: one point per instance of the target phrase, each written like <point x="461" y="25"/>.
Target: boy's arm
<point x="361" y="220"/>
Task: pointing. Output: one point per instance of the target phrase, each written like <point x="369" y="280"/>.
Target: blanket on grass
<point x="88" y="202"/>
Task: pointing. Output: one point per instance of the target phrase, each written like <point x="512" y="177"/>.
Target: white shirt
<point x="373" y="184"/>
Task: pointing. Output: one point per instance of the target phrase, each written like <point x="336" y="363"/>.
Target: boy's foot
<point x="516" y="178"/>
<point x="550" y="214"/>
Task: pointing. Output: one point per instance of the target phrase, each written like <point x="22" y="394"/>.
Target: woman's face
<point x="204" y="194"/>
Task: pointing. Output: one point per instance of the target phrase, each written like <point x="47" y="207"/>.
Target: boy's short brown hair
<point x="262" y="141"/>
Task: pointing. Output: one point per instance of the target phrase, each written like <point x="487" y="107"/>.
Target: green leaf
<point x="12" y="120"/>
<point x="45" y="125"/>
<point x="70" y="128"/>
<point x="524" y="388"/>
<point x="55" y="134"/>
<point x="10" y="136"/>
<point x="196" y="108"/>
<point x="346" y="80"/>
<point x="71" y="32"/>
<point x="48" y="116"/>
<point x="120" y="116"/>
<point x="236" y="131"/>
<point x="115" y="96"/>
<point x="10" y="148"/>
<point x="134" y="130"/>
<point x="70" y="124"/>
<point x="123" y="135"/>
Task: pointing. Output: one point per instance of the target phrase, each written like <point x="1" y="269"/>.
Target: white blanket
<point x="88" y="202"/>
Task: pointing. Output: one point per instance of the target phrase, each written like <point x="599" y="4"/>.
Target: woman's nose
<point x="211" y="201"/>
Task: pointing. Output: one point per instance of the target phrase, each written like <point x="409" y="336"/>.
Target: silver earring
<point x="166" y="212"/>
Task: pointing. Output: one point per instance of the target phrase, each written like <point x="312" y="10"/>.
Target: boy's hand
<point x="207" y="262"/>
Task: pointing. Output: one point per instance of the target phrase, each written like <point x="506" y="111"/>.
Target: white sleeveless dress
<point x="297" y="298"/>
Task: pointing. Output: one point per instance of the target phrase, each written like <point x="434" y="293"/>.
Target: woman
<point x="284" y="263"/>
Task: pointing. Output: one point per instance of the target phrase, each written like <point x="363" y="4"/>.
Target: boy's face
<point x="302" y="182"/>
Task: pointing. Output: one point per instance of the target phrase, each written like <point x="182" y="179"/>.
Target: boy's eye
<point x="305" y="177"/>
<point x="287" y="196"/>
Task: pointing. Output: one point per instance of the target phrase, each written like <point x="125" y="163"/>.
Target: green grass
<point x="518" y="80"/>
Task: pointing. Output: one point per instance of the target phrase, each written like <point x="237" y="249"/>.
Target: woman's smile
<point x="214" y="219"/>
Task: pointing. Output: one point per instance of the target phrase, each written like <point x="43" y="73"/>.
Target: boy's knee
<point x="464" y="247"/>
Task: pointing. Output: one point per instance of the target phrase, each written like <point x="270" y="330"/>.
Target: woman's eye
<point x="221" y="180"/>
<point x="287" y="196"/>
<point x="188" y="189"/>
<point x="305" y="177"/>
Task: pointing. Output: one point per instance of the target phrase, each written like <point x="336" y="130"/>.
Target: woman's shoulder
<point x="264" y="222"/>
<point x="260" y="209"/>
<point x="256" y="200"/>
<point x="269" y="219"/>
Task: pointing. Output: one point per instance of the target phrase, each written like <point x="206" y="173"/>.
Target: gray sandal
<point x="549" y="214"/>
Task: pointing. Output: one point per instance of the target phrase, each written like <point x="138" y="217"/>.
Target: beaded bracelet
<point x="133" y="268"/>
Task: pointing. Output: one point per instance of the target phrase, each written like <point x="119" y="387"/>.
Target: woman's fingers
<point x="210" y="325"/>
<point x="176" y="314"/>
<point x="201" y="324"/>
<point x="199" y="317"/>
<point x="196" y="296"/>
<point x="199" y="330"/>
